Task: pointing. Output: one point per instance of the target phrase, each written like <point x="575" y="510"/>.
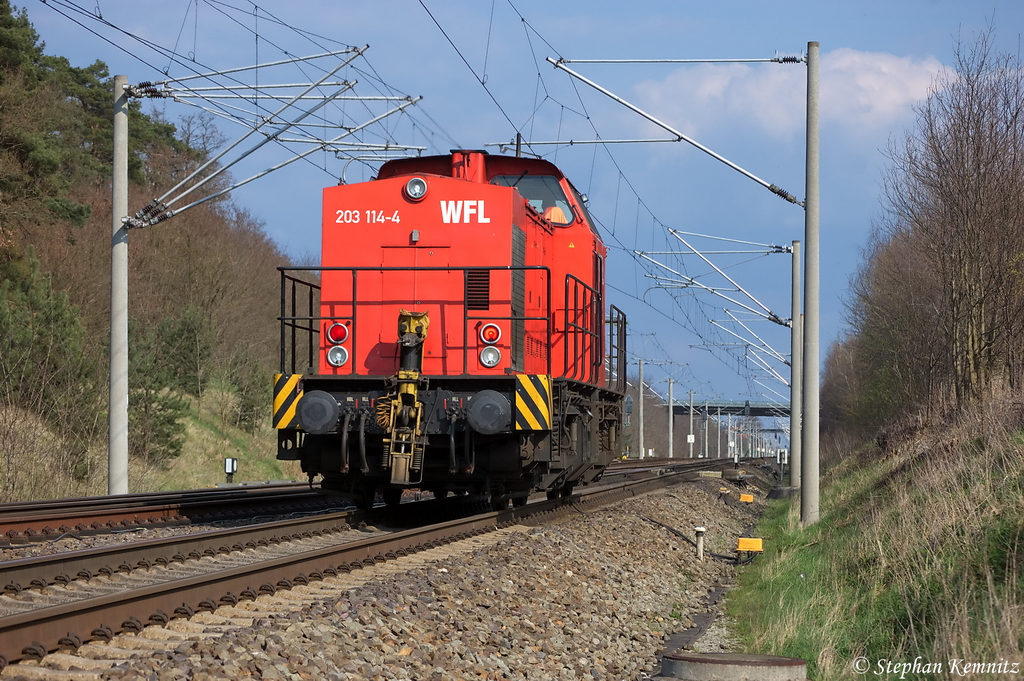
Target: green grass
<point x="919" y="553"/>
<point x="209" y="439"/>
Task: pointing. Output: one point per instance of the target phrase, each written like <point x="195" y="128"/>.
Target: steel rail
<point x="19" y="519"/>
<point x="42" y="629"/>
<point x="41" y="571"/>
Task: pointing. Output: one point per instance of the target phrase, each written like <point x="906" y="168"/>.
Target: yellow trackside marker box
<point x="749" y="544"/>
<point x="749" y="498"/>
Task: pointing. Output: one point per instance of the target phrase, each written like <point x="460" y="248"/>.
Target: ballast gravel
<point x="591" y="596"/>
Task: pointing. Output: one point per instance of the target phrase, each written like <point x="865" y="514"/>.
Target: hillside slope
<point x="919" y="553"/>
<point x="203" y="289"/>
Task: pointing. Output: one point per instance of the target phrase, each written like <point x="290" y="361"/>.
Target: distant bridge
<point x="735" y="408"/>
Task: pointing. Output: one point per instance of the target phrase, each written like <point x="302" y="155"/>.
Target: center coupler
<point x="405" y="442"/>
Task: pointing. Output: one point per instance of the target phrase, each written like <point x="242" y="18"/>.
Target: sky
<point x="481" y="69"/>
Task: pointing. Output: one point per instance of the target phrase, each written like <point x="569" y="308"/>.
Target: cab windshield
<point x="544" y="194"/>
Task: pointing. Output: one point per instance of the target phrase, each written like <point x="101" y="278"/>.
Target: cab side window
<point x="544" y="194"/>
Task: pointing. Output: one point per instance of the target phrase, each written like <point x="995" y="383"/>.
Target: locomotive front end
<point x="420" y="353"/>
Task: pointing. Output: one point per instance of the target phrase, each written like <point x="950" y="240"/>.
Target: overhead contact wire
<point x="468" y="66"/>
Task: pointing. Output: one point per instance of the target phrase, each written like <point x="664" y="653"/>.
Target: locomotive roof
<point x="442" y="165"/>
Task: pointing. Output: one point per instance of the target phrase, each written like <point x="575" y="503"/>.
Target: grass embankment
<point x="209" y="439"/>
<point x="919" y="551"/>
<point x="34" y="464"/>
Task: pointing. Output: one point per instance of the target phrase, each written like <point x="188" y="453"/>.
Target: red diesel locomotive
<point x="455" y="337"/>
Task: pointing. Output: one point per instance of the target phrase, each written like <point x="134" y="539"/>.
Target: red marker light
<point x="490" y="333"/>
<point x="337" y="334"/>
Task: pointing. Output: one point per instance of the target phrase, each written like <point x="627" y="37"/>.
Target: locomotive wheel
<point x="560" y="492"/>
<point x="518" y="502"/>
<point x="392" y="495"/>
<point x="498" y="503"/>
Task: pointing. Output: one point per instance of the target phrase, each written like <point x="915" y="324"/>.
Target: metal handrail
<point x="310" y="323"/>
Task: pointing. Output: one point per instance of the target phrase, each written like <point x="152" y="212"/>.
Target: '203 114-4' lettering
<point x="354" y="217"/>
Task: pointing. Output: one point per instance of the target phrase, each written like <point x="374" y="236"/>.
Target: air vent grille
<point x="478" y="289"/>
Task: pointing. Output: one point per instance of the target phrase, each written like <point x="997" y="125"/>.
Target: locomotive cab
<point x="543" y="194"/>
<point x="454" y="338"/>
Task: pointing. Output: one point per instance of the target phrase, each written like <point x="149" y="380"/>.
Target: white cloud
<point x="874" y="89"/>
<point x="862" y="91"/>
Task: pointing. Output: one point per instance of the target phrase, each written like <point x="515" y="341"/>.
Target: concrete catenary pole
<point x="117" y="436"/>
<point x="640" y="413"/>
<point x="706" y="419"/>
<point x="690" y="438"/>
<point x="718" y="435"/>
<point x="671" y="418"/>
<point x="809" y="448"/>
<point x="730" y="442"/>
<point x="796" y="374"/>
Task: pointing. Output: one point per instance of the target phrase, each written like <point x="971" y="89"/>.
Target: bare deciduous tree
<point x="938" y="307"/>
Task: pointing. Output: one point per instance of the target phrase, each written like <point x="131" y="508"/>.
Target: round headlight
<point x="490" y="356"/>
<point x="490" y="333"/>
<point x="337" y="356"/>
<point x="416" y="188"/>
<point x="337" y="333"/>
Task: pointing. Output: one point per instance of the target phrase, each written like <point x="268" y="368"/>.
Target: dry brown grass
<point x="919" y="551"/>
<point x="34" y="463"/>
<point x="948" y="535"/>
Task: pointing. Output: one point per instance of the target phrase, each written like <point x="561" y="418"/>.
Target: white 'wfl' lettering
<point x="459" y="211"/>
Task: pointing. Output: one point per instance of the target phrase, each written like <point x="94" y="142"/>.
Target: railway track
<point x="25" y="522"/>
<point x="61" y="602"/>
<point x="641" y="466"/>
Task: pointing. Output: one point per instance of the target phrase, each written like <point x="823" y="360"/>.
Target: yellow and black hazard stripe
<point x="533" y="402"/>
<point x="286" y="400"/>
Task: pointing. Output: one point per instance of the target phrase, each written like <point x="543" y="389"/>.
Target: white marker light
<point x="490" y="356"/>
<point x="416" y="188"/>
<point x="337" y="356"/>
